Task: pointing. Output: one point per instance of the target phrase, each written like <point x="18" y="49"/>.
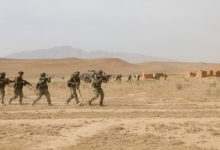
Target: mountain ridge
<point x="69" y="52"/>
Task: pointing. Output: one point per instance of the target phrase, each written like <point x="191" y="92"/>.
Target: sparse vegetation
<point x="150" y="113"/>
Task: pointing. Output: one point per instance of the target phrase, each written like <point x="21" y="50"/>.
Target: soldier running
<point x="73" y="83"/>
<point x="138" y="77"/>
<point x="3" y="82"/>
<point x="97" y="83"/>
<point x="129" y="77"/>
<point x="42" y="87"/>
<point x="19" y="83"/>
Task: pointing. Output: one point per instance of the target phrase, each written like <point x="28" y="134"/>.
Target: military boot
<point x="101" y="104"/>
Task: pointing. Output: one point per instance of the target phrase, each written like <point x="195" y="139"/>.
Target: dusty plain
<point x="172" y="114"/>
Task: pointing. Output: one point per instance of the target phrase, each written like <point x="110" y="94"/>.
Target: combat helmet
<point x="77" y="73"/>
<point x="100" y="72"/>
<point x="2" y="74"/>
<point x="21" y="72"/>
<point x="43" y="74"/>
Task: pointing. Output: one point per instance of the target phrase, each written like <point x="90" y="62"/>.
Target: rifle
<point x="96" y="83"/>
<point x="27" y="83"/>
<point x="74" y="84"/>
<point x="9" y="81"/>
<point x="6" y="81"/>
<point x="49" y="78"/>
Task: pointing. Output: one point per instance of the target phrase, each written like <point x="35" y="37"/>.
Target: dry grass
<point x="118" y="139"/>
<point x="151" y="114"/>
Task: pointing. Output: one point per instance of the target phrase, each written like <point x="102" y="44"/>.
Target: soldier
<point x="18" y="87"/>
<point x="138" y="77"/>
<point x="116" y="78"/>
<point x="119" y="77"/>
<point x="129" y="78"/>
<point x="3" y="82"/>
<point x="42" y="88"/>
<point x="165" y="77"/>
<point x="157" y="77"/>
<point x="97" y="85"/>
<point x="74" y="83"/>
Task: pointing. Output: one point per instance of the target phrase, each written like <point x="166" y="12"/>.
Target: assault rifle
<point x="27" y="83"/>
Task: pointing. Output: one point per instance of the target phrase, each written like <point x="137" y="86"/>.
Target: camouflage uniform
<point x="119" y="77"/>
<point x="42" y="88"/>
<point x="18" y="88"/>
<point x="73" y="83"/>
<point x="3" y="82"/>
<point x="129" y="78"/>
<point x="138" y="77"/>
<point x="97" y="83"/>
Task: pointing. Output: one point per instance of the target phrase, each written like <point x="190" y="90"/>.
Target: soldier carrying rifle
<point x="42" y="87"/>
<point x="18" y="87"/>
<point x="3" y="82"/>
<point x="74" y="83"/>
<point x="97" y="86"/>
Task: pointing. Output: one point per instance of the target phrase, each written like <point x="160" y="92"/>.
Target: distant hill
<point x="64" y="67"/>
<point x="68" y="51"/>
<point x="174" y="67"/>
<point x="214" y="67"/>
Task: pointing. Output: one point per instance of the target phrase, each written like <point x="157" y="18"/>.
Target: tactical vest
<point x="42" y="84"/>
<point x="73" y="80"/>
<point x="2" y="84"/>
<point x="18" y="83"/>
<point x="97" y="83"/>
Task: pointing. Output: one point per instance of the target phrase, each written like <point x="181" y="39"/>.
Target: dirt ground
<point x="171" y="114"/>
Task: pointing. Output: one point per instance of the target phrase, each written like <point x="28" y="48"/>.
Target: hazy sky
<point x="187" y="30"/>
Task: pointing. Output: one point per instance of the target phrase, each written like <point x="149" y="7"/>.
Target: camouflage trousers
<point x="17" y="93"/>
<point x="97" y="92"/>
<point x="41" y="93"/>
<point x="2" y="93"/>
<point x="72" y="96"/>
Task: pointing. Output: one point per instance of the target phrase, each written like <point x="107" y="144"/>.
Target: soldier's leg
<point x="20" y="97"/>
<point x="71" y="96"/>
<point x="14" y="97"/>
<point x="47" y="94"/>
<point x="102" y="97"/>
<point x="96" y="95"/>
<point x="38" y="98"/>
<point x="2" y="93"/>
<point x="75" y="95"/>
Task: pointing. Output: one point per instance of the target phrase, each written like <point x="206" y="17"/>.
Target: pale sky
<point x="185" y="30"/>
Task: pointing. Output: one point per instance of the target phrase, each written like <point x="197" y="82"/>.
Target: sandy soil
<point x="168" y="114"/>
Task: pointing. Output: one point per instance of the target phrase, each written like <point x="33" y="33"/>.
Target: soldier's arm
<point x="42" y="80"/>
<point x="8" y="81"/>
<point x="70" y="82"/>
<point x="96" y="80"/>
<point x="16" y="80"/>
<point x="49" y="79"/>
